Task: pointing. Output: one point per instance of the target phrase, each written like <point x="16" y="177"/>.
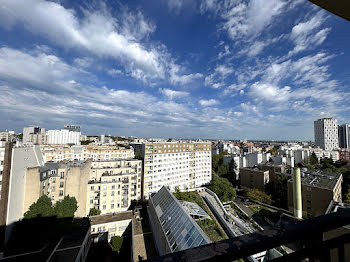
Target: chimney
<point x="298" y="213"/>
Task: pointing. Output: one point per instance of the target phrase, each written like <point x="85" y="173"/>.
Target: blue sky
<point x="258" y="69"/>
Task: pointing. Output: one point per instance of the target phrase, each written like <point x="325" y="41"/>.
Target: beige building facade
<point x="55" y="153"/>
<point x="184" y="165"/>
<point x="114" y="184"/>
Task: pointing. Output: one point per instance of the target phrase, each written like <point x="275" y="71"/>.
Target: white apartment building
<point x="55" y="153"/>
<point x="63" y="137"/>
<point x="254" y="159"/>
<point x="344" y="136"/>
<point x="326" y="133"/>
<point x="34" y="135"/>
<point x="175" y="164"/>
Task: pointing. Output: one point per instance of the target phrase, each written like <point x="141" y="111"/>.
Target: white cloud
<point x="178" y="78"/>
<point x="121" y="37"/>
<point x="244" y="19"/>
<point x="269" y="92"/>
<point x="307" y="35"/>
<point x="209" y="102"/>
<point x="172" y="93"/>
<point x="83" y="62"/>
<point x="223" y="70"/>
<point x="224" y="53"/>
<point x="114" y="72"/>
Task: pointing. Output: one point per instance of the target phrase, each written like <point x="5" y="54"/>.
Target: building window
<point x="62" y="174"/>
<point x="112" y="206"/>
<point x="92" y="187"/>
<point x="61" y="193"/>
<point x="91" y="201"/>
<point x="104" y="207"/>
<point x="61" y="184"/>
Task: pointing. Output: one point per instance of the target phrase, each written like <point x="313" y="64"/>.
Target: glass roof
<point x="180" y="229"/>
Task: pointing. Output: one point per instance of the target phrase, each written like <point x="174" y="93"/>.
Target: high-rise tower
<point x="326" y="133"/>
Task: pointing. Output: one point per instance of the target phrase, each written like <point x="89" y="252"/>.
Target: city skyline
<point x="238" y="69"/>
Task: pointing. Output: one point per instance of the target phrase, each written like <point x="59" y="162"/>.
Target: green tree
<point x="313" y="159"/>
<point x="273" y="151"/>
<point x="232" y="167"/>
<point x="257" y="195"/>
<point x="215" y="162"/>
<point x="41" y="208"/>
<point x="223" y="188"/>
<point x="66" y="207"/>
<point x="94" y="212"/>
<point x="222" y="170"/>
<point x="116" y="243"/>
<point x="85" y="142"/>
<point x="278" y="190"/>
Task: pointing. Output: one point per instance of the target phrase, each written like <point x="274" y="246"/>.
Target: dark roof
<point x="102" y="219"/>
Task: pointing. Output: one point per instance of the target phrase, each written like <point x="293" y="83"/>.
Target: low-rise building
<point x="318" y="190"/>
<point x="344" y="155"/>
<point x="254" y="178"/>
<point x="104" y="227"/>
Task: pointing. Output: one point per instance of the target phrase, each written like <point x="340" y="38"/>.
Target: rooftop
<point x="193" y="209"/>
<point x="319" y="179"/>
<point x="102" y="219"/>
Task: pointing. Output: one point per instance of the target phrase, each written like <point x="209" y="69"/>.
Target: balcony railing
<point x="315" y="236"/>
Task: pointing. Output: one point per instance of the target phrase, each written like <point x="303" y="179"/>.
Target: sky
<point x="231" y="69"/>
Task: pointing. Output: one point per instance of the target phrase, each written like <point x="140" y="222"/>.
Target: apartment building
<point x="114" y="184"/>
<point x="14" y="180"/>
<point x="7" y="136"/>
<point x="63" y="137"/>
<point x="318" y="190"/>
<point x="34" y="135"/>
<point x="326" y="133"/>
<point x="254" y="178"/>
<point x="57" y="180"/>
<point x="104" y="227"/>
<point x="344" y="136"/>
<point x="175" y="164"/>
<point x="56" y="153"/>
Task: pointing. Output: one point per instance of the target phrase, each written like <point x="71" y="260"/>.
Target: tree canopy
<point x="116" y="243"/>
<point x="94" y="212"/>
<point x="43" y="208"/>
<point x="66" y="207"/>
<point x="257" y="195"/>
<point x="223" y="188"/>
<point x="313" y="159"/>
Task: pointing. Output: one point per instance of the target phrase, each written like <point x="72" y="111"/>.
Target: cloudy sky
<point x="256" y="69"/>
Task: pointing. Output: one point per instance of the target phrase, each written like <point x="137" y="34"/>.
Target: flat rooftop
<point x="108" y="218"/>
<point x="319" y="179"/>
<point x="142" y="238"/>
